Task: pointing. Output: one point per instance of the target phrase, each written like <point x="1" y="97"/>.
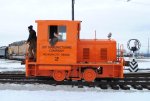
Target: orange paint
<point x="71" y="56"/>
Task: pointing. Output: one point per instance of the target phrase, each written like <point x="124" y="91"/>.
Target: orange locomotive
<point x="72" y="58"/>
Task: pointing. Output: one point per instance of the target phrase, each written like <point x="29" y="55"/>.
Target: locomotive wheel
<point x="59" y="75"/>
<point x="89" y="75"/>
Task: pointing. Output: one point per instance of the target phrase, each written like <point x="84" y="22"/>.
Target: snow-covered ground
<point x="11" y="65"/>
<point x="29" y="92"/>
<point x="41" y="92"/>
<point x="142" y="63"/>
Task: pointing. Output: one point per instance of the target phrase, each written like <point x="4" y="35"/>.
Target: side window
<point x="57" y="32"/>
<point x="62" y="33"/>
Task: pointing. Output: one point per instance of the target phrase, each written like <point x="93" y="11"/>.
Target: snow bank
<point x="29" y="92"/>
<point x="9" y="95"/>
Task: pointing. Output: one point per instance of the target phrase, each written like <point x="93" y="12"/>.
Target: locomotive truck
<point x="72" y="58"/>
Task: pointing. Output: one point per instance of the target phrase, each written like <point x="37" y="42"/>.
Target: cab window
<point x="57" y="32"/>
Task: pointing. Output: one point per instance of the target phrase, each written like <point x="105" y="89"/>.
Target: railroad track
<point x="137" y="81"/>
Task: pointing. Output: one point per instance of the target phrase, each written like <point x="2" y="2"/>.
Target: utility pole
<point x="73" y="2"/>
<point x="148" y="48"/>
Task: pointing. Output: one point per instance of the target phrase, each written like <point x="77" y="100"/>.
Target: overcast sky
<point x="125" y="20"/>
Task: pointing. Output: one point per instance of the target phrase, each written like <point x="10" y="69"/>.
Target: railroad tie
<point x="124" y="87"/>
<point x="103" y="86"/>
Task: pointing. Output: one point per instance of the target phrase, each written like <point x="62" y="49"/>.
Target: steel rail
<point x="135" y="80"/>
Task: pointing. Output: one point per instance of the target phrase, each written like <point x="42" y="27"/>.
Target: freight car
<point x="3" y="52"/>
<point x="72" y="58"/>
<point x="17" y="50"/>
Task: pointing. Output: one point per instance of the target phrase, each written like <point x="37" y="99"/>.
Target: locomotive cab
<point x="64" y="50"/>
